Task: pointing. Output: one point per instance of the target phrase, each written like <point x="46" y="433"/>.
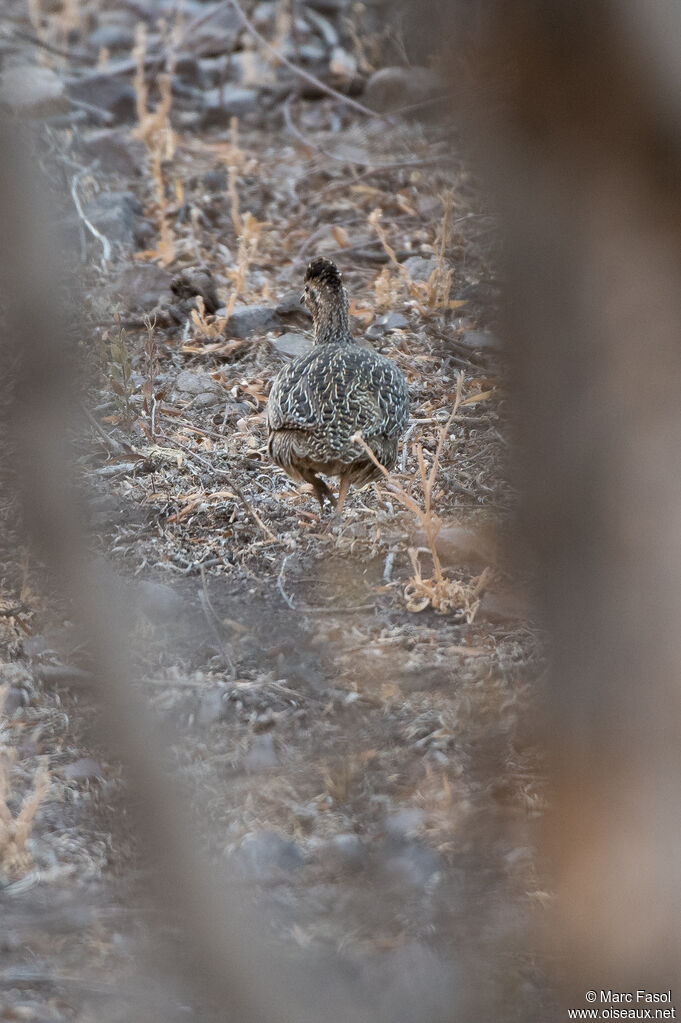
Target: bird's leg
<point x="342" y="494"/>
<point x="322" y="492"/>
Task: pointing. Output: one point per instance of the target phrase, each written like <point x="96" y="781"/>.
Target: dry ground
<point x="347" y="735"/>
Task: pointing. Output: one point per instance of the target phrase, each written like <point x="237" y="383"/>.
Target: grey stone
<point x="115" y="215"/>
<point x="395" y="87"/>
<point x="14" y="700"/>
<point x="116" y="151"/>
<point x="405" y="822"/>
<point x="480" y="339"/>
<point x="290" y="305"/>
<point x="327" y="6"/>
<point x="82" y="770"/>
<point x="262" y="755"/>
<point x="106" y="90"/>
<point x="345" y="852"/>
<point x="410" y="862"/>
<point x="141" y="286"/>
<point x="292" y="344"/>
<point x="221" y="104"/>
<point x="267" y="853"/>
<point x="33" y="91"/>
<point x="158" y="602"/>
<point x="214" y="706"/>
<point x="418" y="268"/>
<point x="191" y="382"/>
<point x="218" y="33"/>
<point x="112" y="37"/>
<point x="251" y="319"/>
<point x="391" y="321"/>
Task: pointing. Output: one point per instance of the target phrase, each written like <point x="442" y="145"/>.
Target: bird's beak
<point x="302" y="299"/>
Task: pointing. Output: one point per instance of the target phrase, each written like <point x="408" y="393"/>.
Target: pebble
<point x="262" y="755"/>
<point x="292" y="344"/>
<point x="405" y="822"/>
<point x="267" y="854"/>
<point x="33" y="91"/>
<point x="410" y="862"/>
<point x="251" y="319"/>
<point x="391" y="321"/>
<point x="190" y="381"/>
<point x="158" y="602"/>
<point x="116" y="151"/>
<point x="418" y="268"/>
<point x="141" y="286"/>
<point x="344" y="852"/>
<point x="108" y="91"/>
<point x="393" y="87"/>
<point x="214" y="706"/>
<point x="222" y="104"/>
<point x="84" y="769"/>
<point x="480" y="339"/>
<point x="115" y="214"/>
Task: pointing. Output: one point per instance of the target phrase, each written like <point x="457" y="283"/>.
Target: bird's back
<point x="334" y="391"/>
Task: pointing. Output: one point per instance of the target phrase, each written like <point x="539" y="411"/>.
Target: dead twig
<point x="305" y="75"/>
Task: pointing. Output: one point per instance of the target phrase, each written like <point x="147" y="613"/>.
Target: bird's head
<point x="323" y="289"/>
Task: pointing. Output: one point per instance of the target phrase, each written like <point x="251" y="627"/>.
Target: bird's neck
<point x="332" y="326"/>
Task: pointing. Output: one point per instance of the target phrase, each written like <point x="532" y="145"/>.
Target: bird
<point x="322" y="398"/>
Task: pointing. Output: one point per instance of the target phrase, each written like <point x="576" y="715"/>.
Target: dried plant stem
<point x="440" y="589"/>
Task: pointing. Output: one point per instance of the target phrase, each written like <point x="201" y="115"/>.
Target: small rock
<point x="215" y="180"/>
<point x="158" y="602"/>
<point x="116" y="151"/>
<point x="480" y="339"/>
<point x="505" y="605"/>
<point x="391" y="321"/>
<point x="112" y="37"/>
<point x="252" y="319"/>
<point x="33" y="91"/>
<point x="192" y="382"/>
<point x="214" y="706"/>
<point x="327" y="6"/>
<point x="324" y="27"/>
<point x="218" y="33"/>
<point x="411" y="862"/>
<point x="395" y="87"/>
<point x="405" y="823"/>
<point x="418" y="268"/>
<point x="345" y="852"/>
<point x="290" y="305"/>
<point x="268" y="854"/>
<point x="115" y="215"/>
<point x="82" y="770"/>
<point x="292" y="344"/>
<point x="141" y="286"/>
<point x="463" y="545"/>
<point x="108" y="91"/>
<point x="14" y="699"/>
<point x="193" y="282"/>
<point x="262" y="755"/>
<point x="343" y="65"/>
<point x="188" y="69"/>
<point x="221" y="104"/>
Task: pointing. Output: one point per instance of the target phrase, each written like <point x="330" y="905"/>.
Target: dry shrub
<point x="436" y="591"/>
<point x="15" y="831"/>
<point x="154" y="129"/>
<point x="428" y="296"/>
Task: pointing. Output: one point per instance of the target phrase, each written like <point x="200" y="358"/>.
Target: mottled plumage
<point x="320" y="399"/>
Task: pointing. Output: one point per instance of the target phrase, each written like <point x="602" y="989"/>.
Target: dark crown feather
<point x="323" y="271"/>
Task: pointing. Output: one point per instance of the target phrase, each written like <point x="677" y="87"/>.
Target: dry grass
<point x="436" y="591"/>
<point x="15" y="829"/>
<point x="155" y="131"/>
